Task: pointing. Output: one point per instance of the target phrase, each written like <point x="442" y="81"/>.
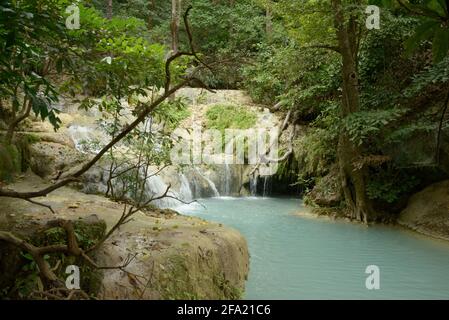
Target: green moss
<point x="31" y="138"/>
<point x="14" y="158"/>
<point x="228" y="116"/>
<point x="10" y="162"/>
<point x="177" y="284"/>
<point x="181" y="281"/>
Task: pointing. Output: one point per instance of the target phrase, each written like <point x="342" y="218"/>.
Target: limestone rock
<point x="175" y="256"/>
<point x="47" y="158"/>
<point x="428" y="211"/>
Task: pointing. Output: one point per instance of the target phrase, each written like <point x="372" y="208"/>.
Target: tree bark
<point x="174" y="26"/>
<point x="151" y="8"/>
<point x="268" y="22"/>
<point x="175" y="20"/>
<point x="352" y="178"/>
<point x="15" y="122"/>
<point x="109" y="9"/>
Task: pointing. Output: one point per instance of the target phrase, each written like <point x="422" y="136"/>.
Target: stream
<point x="304" y="258"/>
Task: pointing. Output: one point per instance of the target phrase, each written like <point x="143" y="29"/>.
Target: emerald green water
<point x="300" y="258"/>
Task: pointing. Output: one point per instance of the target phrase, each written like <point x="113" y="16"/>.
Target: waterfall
<point x="228" y="178"/>
<point x="212" y="186"/>
<point x="253" y="185"/>
<point x="266" y="186"/>
<point x="210" y="183"/>
<point x="184" y="191"/>
<point x="156" y="187"/>
<point x="80" y="136"/>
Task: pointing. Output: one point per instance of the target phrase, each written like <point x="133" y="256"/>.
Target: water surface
<point x="301" y="258"/>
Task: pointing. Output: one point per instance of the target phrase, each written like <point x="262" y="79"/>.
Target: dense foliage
<point x="284" y="53"/>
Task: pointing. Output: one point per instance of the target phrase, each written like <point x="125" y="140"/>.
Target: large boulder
<point x="176" y="261"/>
<point x="428" y="211"/>
<point x="327" y="190"/>
<point x="50" y="158"/>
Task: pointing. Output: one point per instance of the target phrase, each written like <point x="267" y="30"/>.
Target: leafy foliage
<point x="390" y="185"/>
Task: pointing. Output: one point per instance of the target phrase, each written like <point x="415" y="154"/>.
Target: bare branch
<point x="41" y="204"/>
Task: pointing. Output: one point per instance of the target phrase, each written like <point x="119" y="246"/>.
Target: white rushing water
<point x="184" y="191"/>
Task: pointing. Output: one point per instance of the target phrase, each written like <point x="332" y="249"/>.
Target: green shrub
<point x="390" y="185"/>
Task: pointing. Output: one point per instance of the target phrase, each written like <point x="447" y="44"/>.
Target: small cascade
<point x="210" y="183"/>
<point x="253" y="185"/>
<point x="184" y="191"/>
<point x="228" y="179"/>
<point x="87" y="139"/>
<point x="196" y="190"/>
<point x="80" y="135"/>
<point x="266" y="186"/>
<point x="156" y="187"/>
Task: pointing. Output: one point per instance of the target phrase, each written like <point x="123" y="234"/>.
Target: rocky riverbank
<point x="427" y="212"/>
<point x="176" y="256"/>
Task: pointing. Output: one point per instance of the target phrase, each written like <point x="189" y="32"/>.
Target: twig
<point x="41" y="204"/>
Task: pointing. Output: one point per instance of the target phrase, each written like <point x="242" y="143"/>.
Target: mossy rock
<point x="14" y="158"/>
<point x="10" y="162"/>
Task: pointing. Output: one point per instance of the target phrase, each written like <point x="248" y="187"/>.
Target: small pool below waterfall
<point x="301" y="258"/>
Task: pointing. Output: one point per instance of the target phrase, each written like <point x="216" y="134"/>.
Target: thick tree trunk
<point x="352" y="178"/>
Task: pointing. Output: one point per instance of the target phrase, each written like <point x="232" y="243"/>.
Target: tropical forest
<point x="224" y="149"/>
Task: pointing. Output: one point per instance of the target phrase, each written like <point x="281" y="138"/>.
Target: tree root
<point x="54" y="286"/>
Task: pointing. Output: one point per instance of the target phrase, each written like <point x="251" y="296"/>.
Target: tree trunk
<point x="268" y="22"/>
<point x="151" y="8"/>
<point x="352" y="178"/>
<point x="174" y="26"/>
<point x="109" y="9"/>
<point x="175" y="20"/>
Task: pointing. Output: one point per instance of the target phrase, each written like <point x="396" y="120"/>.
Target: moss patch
<point x="228" y="116"/>
<point x="10" y="162"/>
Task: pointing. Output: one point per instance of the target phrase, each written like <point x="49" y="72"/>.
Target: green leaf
<point x="423" y="32"/>
<point x="59" y="65"/>
<point x="27" y="256"/>
<point x="440" y="45"/>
